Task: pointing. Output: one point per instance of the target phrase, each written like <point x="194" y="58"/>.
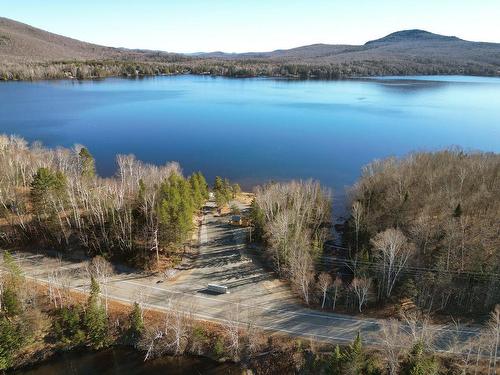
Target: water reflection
<point x="126" y="362"/>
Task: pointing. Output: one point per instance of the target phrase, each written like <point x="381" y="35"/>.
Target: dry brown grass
<point x="245" y="198"/>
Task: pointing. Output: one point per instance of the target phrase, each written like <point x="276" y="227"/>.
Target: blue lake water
<point x="255" y="130"/>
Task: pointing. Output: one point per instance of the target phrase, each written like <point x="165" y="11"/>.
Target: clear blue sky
<point x="252" y="25"/>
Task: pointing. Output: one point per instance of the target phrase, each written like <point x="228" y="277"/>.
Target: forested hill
<point x="21" y="42"/>
<point x="30" y="53"/>
<point x="408" y="45"/>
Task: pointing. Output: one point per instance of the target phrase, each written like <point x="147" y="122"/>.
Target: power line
<point x="337" y="261"/>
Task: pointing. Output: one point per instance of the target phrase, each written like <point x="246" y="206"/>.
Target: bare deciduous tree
<point x="337" y="284"/>
<point x="492" y="336"/>
<point x="301" y="274"/>
<point x="232" y="328"/>
<point x="149" y="340"/>
<point x="102" y="271"/>
<point x="357" y="215"/>
<point x="360" y="287"/>
<point x="394" y="251"/>
<point x="253" y="336"/>
<point x="324" y="283"/>
<point x="395" y="343"/>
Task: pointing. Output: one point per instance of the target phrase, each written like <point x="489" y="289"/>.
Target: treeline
<point x="38" y="320"/>
<point x="426" y="228"/>
<point x="87" y="70"/>
<point x="53" y="197"/>
<point x="238" y="68"/>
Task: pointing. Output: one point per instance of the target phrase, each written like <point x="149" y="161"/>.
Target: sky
<point x="252" y="25"/>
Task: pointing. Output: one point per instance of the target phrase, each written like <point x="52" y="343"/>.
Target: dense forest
<point x="426" y="227"/>
<point x="94" y="69"/>
<point x="423" y="229"/>
<point x="54" y="198"/>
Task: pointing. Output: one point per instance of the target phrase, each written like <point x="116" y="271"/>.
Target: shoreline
<point x="65" y="68"/>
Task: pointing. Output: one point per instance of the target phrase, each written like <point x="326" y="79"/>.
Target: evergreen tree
<point x="354" y="357"/>
<point x="228" y="190"/>
<point x="14" y="272"/>
<point x="176" y="209"/>
<point x="87" y="163"/>
<point x="96" y="322"/>
<point x="336" y="361"/>
<point x="136" y="324"/>
<point x="46" y="185"/>
<point x="223" y="191"/>
<point x="68" y="326"/>
<point x="258" y="221"/>
<point x="11" y="340"/>
<point x="236" y="189"/>
<point x="11" y="305"/>
<point x="418" y="363"/>
<point x="196" y="189"/>
<point x="202" y="182"/>
<point x="218" y="184"/>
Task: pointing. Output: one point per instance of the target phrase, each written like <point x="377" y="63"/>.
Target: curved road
<point x="255" y="297"/>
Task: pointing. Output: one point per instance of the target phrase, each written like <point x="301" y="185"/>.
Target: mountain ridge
<point x="27" y="52"/>
<point x="411" y="35"/>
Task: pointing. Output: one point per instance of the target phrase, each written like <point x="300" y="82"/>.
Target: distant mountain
<point x="406" y="45"/>
<point x="23" y="43"/>
<point x="414" y="35"/>
<point x="23" y="48"/>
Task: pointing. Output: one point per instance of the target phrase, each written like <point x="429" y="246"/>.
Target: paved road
<point x="255" y="295"/>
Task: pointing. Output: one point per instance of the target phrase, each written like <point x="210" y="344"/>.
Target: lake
<point x="255" y="130"/>
<point x="126" y="361"/>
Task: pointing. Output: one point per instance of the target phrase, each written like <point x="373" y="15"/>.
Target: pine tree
<point x="68" y="327"/>
<point x="87" y="163"/>
<point x="136" y="324"/>
<point x="223" y="191"/>
<point x="96" y="322"/>
<point x="418" y="363"/>
<point x="11" y="340"/>
<point x="258" y="220"/>
<point x="336" y="361"/>
<point x="176" y="209"/>
<point x="14" y="271"/>
<point x="236" y="189"/>
<point x="202" y="182"/>
<point x="45" y="186"/>
<point x="196" y="190"/>
<point x="10" y="302"/>
<point x="354" y="357"/>
<point x="11" y="305"/>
